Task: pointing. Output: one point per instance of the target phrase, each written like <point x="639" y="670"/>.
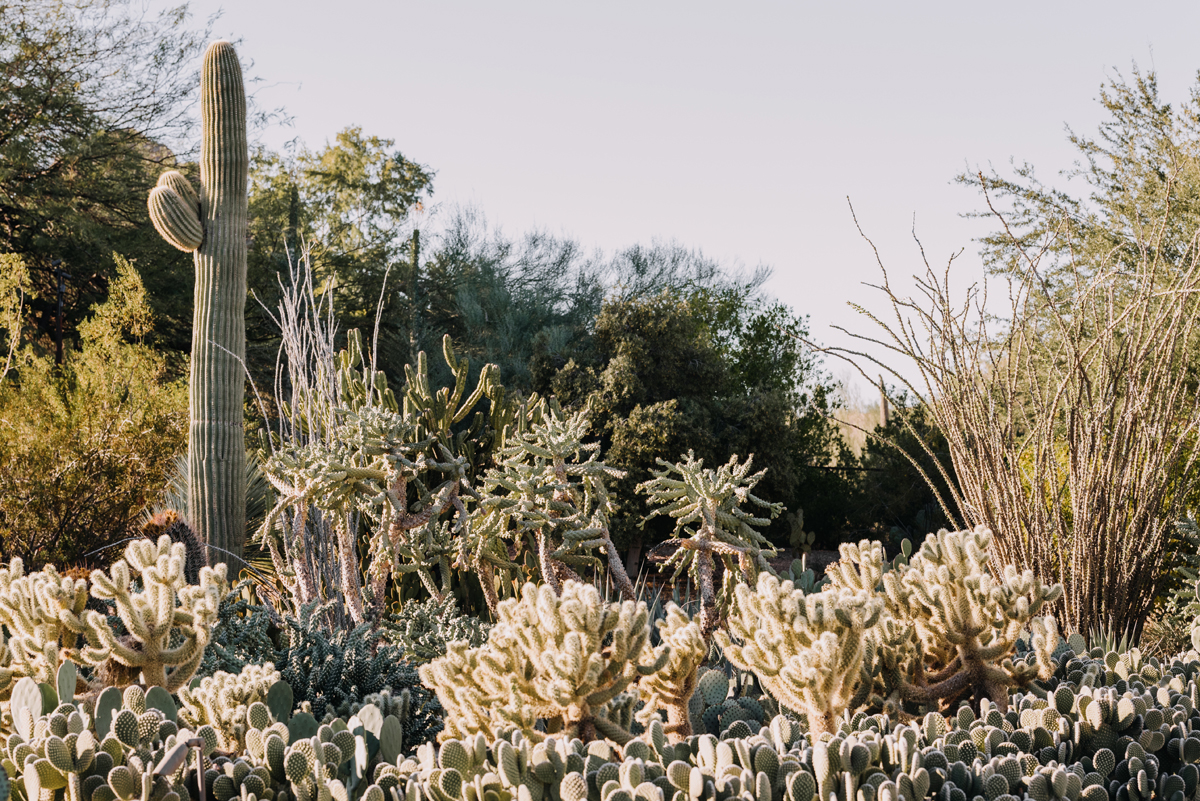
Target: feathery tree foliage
<point x="95" y="100"/>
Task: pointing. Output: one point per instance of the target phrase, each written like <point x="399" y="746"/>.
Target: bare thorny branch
<point x="1072" y="423"/>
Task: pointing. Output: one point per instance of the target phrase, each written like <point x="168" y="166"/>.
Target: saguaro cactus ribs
<point x="212" y="226"/>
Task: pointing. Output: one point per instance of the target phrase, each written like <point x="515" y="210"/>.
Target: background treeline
<point x="670" y="351"/>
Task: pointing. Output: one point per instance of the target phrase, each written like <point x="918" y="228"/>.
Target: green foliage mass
<point x="333" y="671"/>
<point x="86" y="446"/>
<point x="347" y="205"/>
<point x="96" y="99"/>
<point x="717" y="373"/>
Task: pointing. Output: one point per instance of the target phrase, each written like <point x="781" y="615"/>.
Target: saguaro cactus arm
<point x="212" y="226"/>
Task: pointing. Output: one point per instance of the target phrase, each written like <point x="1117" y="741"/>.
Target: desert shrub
<point x="85" y="445"/>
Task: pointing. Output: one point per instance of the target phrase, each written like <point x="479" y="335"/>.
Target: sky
<point x="738" y="129"/>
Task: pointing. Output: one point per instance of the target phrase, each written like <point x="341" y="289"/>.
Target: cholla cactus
<point x="558" y="659"/>
<point x="711" y="501"/>
<point x="671" y="687"/>
<point x="222" y="701"/>
<point x="809" y="651"/>
<point x="43" y="613"/>
<point x="966" y="621"/>
<point x="544" y="486"/>
<point x="369" y="468"/>
<point x="168" y="619"/>
<point x="423" y="629"/>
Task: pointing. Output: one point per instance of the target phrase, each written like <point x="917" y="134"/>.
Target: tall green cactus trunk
<point x="213" y="226"/>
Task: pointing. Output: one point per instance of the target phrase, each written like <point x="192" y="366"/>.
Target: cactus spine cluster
<point x="168" y="620"/>
<point x="212" y="225"/>
<point x="558" y="659"/>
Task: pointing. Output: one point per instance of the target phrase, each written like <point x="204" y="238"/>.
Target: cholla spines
<point x="965" y="619"/>
<point x="808" y="651"/>
<point x="712" y="500"/>
<point x="223" y="700"/>
<point x="548" y="657"/>
<point x="166" y="604"/>
<point x="43" y="613"/>
<point x="213" y="227"/>
<point x="549" y="484"/>
<point x="672" y="686"/>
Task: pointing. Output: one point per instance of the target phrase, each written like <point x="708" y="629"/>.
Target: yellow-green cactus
<point x="711" y="523"/>
<point x="549" y="485"/>
<point x="212" y="225"/>
<point x="966" y="620"/>
<point x="671" y="687"/>
<point x="165" y="607"/>
<point x="809" y="651"/>
<point x="223" y="701"/>
<point x="43" y="613"/>
<point x="557" y="659"/>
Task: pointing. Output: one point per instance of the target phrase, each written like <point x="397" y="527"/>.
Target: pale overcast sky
<point x="735" y="128"/>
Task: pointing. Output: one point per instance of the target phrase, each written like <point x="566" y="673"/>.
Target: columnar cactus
<point x="558" y="659"/>
<point x="809" y="651"/>
<point x="168" y="620"/>
<point x="213" y="227"/>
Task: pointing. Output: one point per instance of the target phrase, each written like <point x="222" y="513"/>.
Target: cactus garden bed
<point x="338" y="664"/>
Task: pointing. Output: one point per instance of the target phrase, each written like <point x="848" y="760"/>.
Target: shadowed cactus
<point x="711" y="524"/>
<point x="672" y="686"/>
<point x="212" y="225"/>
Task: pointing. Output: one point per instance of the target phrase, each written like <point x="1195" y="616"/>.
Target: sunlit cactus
<point x="168" y="620"/>
<point x="212" y="225"/>
<point x="711" y="524"/>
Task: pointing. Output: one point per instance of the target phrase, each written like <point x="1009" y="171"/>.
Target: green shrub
<point x="85" y="445"/>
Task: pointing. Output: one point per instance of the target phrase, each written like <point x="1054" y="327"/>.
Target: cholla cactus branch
<point x="809" y="651"/>
<point x="43" y="613"/>
<point x="672" y="687"/>
<point x="549" y="484"/>
<point x="966" y="619"/>
<point x="166" y="608"/>
<point x="557" y="659"/>
<point x="707" y="507"/>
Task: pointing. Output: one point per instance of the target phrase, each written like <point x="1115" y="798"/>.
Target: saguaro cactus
<point x="212" y="227"/>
